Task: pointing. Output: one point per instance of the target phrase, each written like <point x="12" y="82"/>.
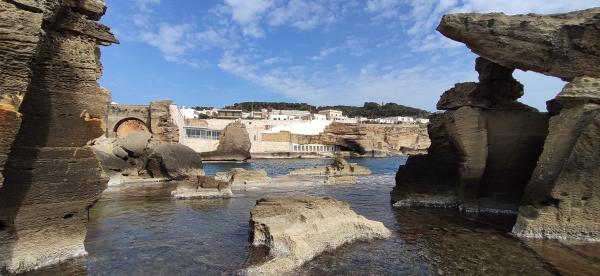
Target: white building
<point x="397" y="120"/>
<point x="331" y="114"/>
<point x="279" y="117"/>
<point x="422" y="120"/>
<point x="188" y="113"/>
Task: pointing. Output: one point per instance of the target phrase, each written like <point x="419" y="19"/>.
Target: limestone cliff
<point x="490" y="152"/>
<point x="50" y="106"/>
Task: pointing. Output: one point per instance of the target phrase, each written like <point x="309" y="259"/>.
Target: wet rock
<point x="50" y="107"/>
<point x="340" y="179"/>
<point x="234" y="144"/>
<point x="296" y="229"/>
<point x="240" y="178"/>
<point x="174" y="161"/>
<point x="202" y="187"/>
<point x="560" y="45"/>
<point x="339" y="167"/>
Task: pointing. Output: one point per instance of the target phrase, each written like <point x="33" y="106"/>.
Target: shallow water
<point x="148" y="233"/>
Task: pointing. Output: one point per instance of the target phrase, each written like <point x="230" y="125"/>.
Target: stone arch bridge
<point x="154" y="118"/>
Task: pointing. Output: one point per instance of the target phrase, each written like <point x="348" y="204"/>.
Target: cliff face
<point x="50" y="107"/>
<point x="377" y="140"/>
<point x="489" y="151"/>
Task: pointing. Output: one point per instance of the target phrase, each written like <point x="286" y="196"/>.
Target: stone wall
<point x="155" y="117"/>
<point x="51" y="106"/>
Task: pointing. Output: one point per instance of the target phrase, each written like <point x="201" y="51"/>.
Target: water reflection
<point x="136" y="232"/>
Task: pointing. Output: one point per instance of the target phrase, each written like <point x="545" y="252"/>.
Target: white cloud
<point x="301" y="14"/>
<point x="144" y="5"/>
<point x="172" y="40"/>
<point x="248" y="14"/>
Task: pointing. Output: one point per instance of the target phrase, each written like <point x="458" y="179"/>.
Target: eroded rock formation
<point x="561" y="45"/>
<point x="50" y="107"/>
<point x="489" y="151"/>
<point x="234" y="144"/>
<point x="296" y="229"/>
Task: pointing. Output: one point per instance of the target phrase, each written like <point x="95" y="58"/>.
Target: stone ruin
<point x="490" y="153"/>
<point x="50" y="106"/>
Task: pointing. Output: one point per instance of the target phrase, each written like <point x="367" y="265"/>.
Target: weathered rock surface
<point x="296" y="229"/>
<point x="234" y="144"/>
<point x="161" y="123"/>
<point x="339" y="167"/>
<point x="50" y="106"/>
<point x="560" y="45"/>
<point x="562" y="198"/>
<point x="489" y="149"/>
<point x="242" y="179"/>
<point x="484" y="147"/>
<point x="202" y="187"/>
<point x="376" y="140"/>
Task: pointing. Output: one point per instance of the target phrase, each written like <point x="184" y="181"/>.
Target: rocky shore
<point x="293" y="230"/>
<point x="490" y="153"/>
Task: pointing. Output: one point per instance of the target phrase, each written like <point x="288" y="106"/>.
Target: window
<point x="202" y="133"/>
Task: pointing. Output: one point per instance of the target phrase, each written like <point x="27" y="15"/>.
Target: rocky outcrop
<point x="562" y="198"/>
<point x="485" y="145"/>
<point x="339" y="167"/>
<point x="376" y="140"/>
<point x="296" y="229"/>
<point x="50" y="106"/>
<point x="138" y="155"/>
<point x="202" y="187"/>
<point x="234" y="144"/>
<point x="561" y="45"/>
<point x="241" y="179"/>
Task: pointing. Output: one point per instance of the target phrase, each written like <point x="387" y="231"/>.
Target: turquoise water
<point x="148" y="233"/>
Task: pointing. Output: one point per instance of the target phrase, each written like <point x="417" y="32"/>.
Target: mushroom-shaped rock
<point x="560" y="45"/>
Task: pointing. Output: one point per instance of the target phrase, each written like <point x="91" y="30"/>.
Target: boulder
<point x="202" y="187"/>
<point x="560" y="45"/>
<point x="240" y="178"/>
<point x="134" y="143"/>
<point x="234" y="144"/>
<point x="296" y="229"/>
<point x="174" y="161"/>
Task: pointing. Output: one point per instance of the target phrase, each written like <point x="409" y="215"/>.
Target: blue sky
<point x="214" y="53"/>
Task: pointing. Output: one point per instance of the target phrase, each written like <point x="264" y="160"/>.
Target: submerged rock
<point x="202" y="187"/>
<point x="240" y="178"/>
<point x="339" y="167"/>
<point x="296" y="229"/>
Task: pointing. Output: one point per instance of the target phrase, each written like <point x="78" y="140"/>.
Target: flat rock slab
<point x="296" y="229"/>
